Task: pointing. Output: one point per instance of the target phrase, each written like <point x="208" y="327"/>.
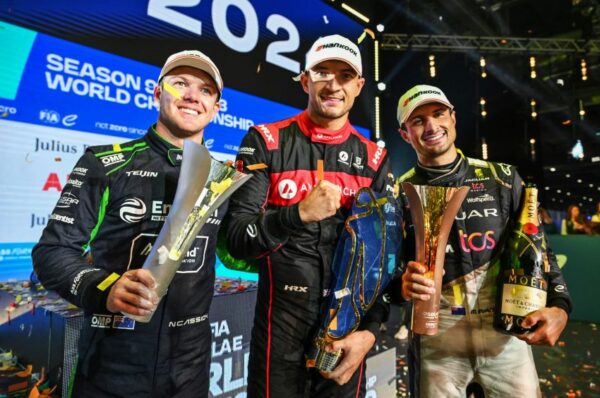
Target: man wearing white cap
<point x="306" y="170"/>
<point x="467" y="348"/>
<point x="100" y="233"/>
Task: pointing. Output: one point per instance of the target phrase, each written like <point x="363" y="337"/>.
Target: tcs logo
<point x="476" y="241"/>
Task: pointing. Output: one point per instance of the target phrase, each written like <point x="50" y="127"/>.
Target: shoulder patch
<point x="478" y="163"/>
<point x="115" y="155"/>
<point x="270" y="134"/>
<point x="376" y="153"/>
<point x="406" y="176"/>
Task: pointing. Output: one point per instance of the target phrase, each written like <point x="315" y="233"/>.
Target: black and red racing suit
<point x="467" y="347"/>
<point x="294" y="273"/>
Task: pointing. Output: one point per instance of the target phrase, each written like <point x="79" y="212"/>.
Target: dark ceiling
<point x="507" y="89"/>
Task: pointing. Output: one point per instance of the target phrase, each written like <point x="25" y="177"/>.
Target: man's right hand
<point x="415" y="285"/>
<point x="322" y="202"/>
<point x="133" y="293"/>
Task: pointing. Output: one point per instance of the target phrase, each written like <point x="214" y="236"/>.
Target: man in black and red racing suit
<point x="467" y="348"/>
<point x="267" y="219"/>
<point x="102" y="229"/>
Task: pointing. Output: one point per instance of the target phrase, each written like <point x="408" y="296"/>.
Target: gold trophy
<point x="433" y="210"/>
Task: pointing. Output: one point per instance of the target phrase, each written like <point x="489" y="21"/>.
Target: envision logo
<point x="132" y="210"/>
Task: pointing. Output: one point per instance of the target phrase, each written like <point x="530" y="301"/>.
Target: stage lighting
<point x="482" y="64"/>
<point x="432" y="65"/>
<point x="483" y="111"/>
<point x="381" y="86"/>
<point x="583" y="69"/>
<point x="356" y="13"/>
<point x="581" y="110"/>
<point x="380" y="28"/>
<point x="532" y="62"/>
<point x="484" y="149"/>
<point x="577" y="151"/>
<point x="533" y="109"/>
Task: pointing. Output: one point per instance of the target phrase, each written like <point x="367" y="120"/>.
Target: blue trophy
<point x="363" y="264"/>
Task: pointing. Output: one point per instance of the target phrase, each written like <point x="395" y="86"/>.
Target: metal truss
<point x="513" y="45"/>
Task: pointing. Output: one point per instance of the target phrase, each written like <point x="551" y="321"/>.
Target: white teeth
<point x="189" y="111"/>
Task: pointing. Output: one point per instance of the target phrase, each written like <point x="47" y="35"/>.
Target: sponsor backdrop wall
<point x="58" y="97"/>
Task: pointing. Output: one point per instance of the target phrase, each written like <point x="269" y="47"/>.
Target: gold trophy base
<point x="327" y="361"/>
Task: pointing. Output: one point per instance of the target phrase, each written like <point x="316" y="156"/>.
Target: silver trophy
<point x="203" y="185"/>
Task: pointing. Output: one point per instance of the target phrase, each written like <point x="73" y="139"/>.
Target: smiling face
<point x="431" y="130"/>
<point x="332" y="87"/>
<point x="188" y="99"/>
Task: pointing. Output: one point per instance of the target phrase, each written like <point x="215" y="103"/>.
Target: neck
<point x="165" y="133"/>
<point x="440" y="160"/>
<point x="327" y="123"/>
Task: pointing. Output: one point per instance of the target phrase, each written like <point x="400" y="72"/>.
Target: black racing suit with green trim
<point x="469" y="285"/>
<point x="106" y="220"/>
<point x="294" y="259"/>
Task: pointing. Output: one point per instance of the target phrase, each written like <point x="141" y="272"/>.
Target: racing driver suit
<point x="106" y="220"/>
<point x="466" y="347"/>
<point x="294" y="259"/>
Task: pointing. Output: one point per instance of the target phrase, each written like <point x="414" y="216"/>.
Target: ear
<point x="405" y="136"/>
<point x="157" y="92"/>
<point x="217" y="106"/>
<point x="304" y="82"/>
<point x="360" y="82"/>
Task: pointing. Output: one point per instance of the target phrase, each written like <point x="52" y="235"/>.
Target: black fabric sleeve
<point x="251" y="229"/>
<point x="59" y="258"/>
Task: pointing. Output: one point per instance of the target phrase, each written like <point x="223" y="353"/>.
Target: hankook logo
<point x="287" y="189"/>
<point x="132" y="210"/>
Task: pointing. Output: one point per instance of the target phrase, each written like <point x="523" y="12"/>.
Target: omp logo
<point x="287" y="189"/>
<point x="7" y="110"/>
<point x="101" y="321"/>
<point x="132" y="210"/>
<point x="251" y="230"/>
<point x="189" y="321"/>
<point x="297" y="289"/>
<point x="266" y="132"/>
<point x="112" y="159"/>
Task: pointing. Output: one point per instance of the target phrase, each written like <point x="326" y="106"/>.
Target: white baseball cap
<point x="194" y="59"/>
<point x="333" y="47"/>
<point x="419" y="95"/>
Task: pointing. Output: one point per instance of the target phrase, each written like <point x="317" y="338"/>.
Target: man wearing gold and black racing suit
<point x="467" y="348"/>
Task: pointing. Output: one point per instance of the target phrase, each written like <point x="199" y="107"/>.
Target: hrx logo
<point x="297" y="289"/>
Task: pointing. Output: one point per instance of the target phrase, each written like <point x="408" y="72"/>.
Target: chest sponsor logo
<point x="194" y="260"/>
<point x="481" y="199"/>
<point x="343" y="157"/>
<point x="66" y="200"/>
<point x="142" y="173"/>
<point x="287" y="189"/>
<point x="160" y="210"/>
<point x="115" y="158"/>
<point x="476" y="241"/>
<point x="484" y="213"/>
<point x="133" y="210"/>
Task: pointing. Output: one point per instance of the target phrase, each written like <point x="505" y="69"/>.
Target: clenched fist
<point x="322" y="202"/>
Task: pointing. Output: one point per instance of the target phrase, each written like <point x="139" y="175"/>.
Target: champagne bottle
<point x="522" y="285"/>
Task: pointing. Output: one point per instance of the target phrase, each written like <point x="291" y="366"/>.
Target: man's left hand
<point x="550" y="322"/>
<point x="354" y="347"/>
